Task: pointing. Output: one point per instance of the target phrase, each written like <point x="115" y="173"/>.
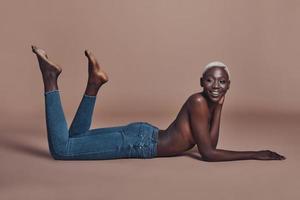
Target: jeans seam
<point x="92" y="152"/>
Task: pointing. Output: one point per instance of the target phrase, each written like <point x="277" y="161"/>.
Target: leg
<point x="83" y="118"/>
<point x="100" y="144"/>
<point x="57" y="128"/>
<point x="106" y="145"/>
<point x="134" y="140"/>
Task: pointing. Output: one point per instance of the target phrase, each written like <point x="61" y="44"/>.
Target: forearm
<point x="215" y="126"/>
<point x="226" y="155"/>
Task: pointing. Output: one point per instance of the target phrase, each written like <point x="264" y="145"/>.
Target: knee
<point x="59" y="156"/>
<point x="58" y="153"/>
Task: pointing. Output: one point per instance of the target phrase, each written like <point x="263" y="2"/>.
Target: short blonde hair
<point x="216" y="64"/>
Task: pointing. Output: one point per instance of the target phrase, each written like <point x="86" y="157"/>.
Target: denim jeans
<point x="134" y="140"/>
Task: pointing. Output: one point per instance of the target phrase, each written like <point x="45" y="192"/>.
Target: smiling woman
<point x="215" y="80"/>
<point x="197" y="122"/>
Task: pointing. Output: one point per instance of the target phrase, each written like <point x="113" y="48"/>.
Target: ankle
<point x="92" y="89"/>
<point x="49" y="88"/>
<point x="94" y="84"/>
<point x="50" y="84"/>
<point x="49" y="76"/>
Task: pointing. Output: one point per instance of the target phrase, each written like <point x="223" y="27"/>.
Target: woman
<point x="196" y="124"/>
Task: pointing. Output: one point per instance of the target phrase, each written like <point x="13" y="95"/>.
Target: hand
<point x="221" y="101"/>
<point x="268" y="155"/>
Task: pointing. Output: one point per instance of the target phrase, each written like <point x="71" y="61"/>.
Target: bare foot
<point x="47" y="67"/>
<point x="50" y="71"/>
<point x="97" y="76"/>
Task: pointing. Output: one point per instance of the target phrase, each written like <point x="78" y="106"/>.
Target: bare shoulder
<point x="196" y="101"/>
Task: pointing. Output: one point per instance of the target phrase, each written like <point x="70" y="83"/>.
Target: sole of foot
<point x="47" y="67"/>
<point x="96" y="74"/>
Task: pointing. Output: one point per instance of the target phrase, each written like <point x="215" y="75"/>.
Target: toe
<point x="88" y="53"/>
<point x="90" y="56"/>
<point x="33" y="48"/>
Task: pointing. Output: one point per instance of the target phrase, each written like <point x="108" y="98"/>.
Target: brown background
<point x="153" y="52"/>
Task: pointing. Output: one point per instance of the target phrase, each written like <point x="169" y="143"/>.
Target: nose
<point x="216" y="85"/>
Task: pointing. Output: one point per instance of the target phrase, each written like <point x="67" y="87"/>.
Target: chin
<point x="215" y="99"/>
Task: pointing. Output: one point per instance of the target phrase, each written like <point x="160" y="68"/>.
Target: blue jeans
<point x="134" y="140"/>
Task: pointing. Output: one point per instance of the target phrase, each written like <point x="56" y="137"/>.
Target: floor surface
<point x="28" y="172"/>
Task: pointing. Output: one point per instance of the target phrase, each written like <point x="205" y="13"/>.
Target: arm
<point x="198" y="114"/>
<point x="215" y="125"/>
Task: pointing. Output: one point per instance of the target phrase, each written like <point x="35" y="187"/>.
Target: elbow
<point x="208" y="156"/>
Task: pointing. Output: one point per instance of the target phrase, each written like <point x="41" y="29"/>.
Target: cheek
<point x="225" y="87"/>
<point x="207" y="85"/>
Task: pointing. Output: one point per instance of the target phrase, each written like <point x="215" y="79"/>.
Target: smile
<point x="215" y="93"/>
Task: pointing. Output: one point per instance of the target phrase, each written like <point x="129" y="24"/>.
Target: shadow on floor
<point x="23" y="148"/>
<point x="19" y="147"/>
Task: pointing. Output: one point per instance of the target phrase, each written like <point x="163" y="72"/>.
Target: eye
<point x="222" y="81"/>
<point x="208" y="80"/>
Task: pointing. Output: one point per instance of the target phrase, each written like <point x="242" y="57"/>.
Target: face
<point x="215" y="83"/>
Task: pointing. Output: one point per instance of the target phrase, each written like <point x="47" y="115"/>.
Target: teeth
<point x="215" y="93"/>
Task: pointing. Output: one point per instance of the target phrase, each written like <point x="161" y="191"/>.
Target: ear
<point x="229" y="84"/>
<point x="201" y="82"/>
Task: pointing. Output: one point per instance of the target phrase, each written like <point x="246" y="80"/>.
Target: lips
<point x="215" y="93"/>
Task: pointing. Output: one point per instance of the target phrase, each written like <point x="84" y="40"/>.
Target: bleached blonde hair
<point x="216" y="64"/>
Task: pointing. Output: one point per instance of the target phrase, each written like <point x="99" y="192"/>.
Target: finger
<point x="221" y="101"/>
<point x="275" y="156"/>
<point x="280" y="157"/>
